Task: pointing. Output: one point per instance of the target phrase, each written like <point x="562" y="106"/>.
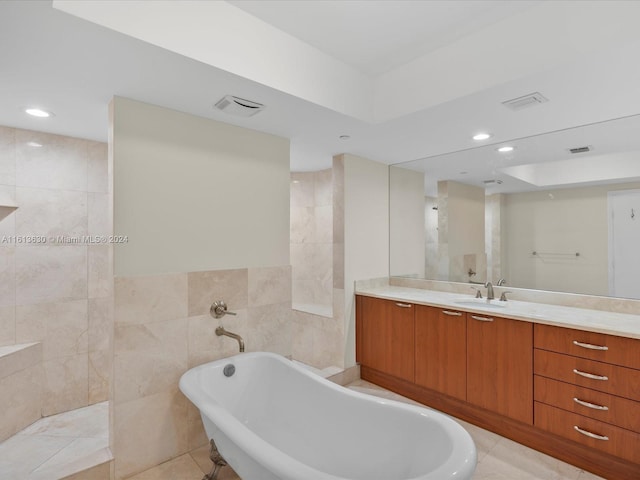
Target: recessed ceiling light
<point x="345" y="137"/>
<point x="34" y="144"/>
<point x="36" y="112"/>
<point x="481" y="136"/>
<point x="505" y="149"/>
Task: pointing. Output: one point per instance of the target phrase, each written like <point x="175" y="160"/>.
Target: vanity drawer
<point x="589" y="403"/>
<point x="586" y="431"/>
<point x="621" y="381"/>
<point x="595" y="346"/>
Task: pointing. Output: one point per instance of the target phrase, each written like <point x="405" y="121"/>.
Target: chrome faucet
<point x="489" y="288"/>
<point x="501" y="282"/>
<point x="221" y="331"/>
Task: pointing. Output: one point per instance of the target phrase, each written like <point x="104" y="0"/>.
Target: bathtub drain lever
<point x="218" y="462"/>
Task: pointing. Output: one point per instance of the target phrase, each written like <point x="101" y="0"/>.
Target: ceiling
<point x="405" y="80"/>
<point x="375" y="37"/>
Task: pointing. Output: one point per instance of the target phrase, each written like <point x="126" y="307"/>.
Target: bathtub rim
<point x="279" y="462"/>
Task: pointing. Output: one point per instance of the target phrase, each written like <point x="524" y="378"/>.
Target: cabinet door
<point x="387" y="336"/>
<point x="500" y="365"/>
<point x="441" y="350"/>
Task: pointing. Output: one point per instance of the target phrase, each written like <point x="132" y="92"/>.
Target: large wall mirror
<point x="559" y="211"/>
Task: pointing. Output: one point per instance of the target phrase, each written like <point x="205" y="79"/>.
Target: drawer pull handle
<point x="590" y="346"/>
<point x="403" y="305"/>
<point x="453" y="314"/>
<point x="482" y="319"/>
<point x="590" y="405"/>
<point x="590" y="375"/>
<point x="589" y="434"/>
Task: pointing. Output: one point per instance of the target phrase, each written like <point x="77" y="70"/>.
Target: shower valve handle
<point x="219" y="309"/>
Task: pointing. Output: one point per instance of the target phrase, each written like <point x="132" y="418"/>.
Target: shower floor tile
<point x="57" y="446"/>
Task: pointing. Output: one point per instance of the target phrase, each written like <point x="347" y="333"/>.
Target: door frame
<point x="610" y="217"/>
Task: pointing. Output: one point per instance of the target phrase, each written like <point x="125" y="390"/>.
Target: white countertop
<point x="624" y="325"/>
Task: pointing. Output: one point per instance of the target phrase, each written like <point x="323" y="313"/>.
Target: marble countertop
<point x="621" y="324"/>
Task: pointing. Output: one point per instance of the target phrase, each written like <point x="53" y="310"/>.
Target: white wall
<point x="193" y="194"/>
<point x="557" y="224"/>
<point x="406" y="222"/>
<point x="366" y="233"/>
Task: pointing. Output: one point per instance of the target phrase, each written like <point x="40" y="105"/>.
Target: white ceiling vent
<point x="526" y="101"/>
<point x="586" y="148"/>
<point x="239" y="106"/>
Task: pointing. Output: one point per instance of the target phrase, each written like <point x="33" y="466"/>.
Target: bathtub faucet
<point x="221" y="331"/>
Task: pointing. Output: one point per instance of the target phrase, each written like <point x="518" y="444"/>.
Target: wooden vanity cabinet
<point x="512" y="377"/>
<point x="441" y="350"/>
<point x="500" y="365"/>
<point x="587" y="389"/>
<point x="385" y="336"/>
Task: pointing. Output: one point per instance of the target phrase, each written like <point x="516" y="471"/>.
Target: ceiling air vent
<point x="586" y="148"/>
<point x="530" y="100"/>
<point x="239" y="106"/>
<point x="492" y="182"/>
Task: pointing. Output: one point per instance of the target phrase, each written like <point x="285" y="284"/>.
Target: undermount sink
<point x="481" y="303"/>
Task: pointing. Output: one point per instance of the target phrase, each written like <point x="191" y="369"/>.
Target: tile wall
<point x="55" y="291"/>
<point x="318" y="340"/>
<point x="312" y="238"/>
<point x="163" y="328"/>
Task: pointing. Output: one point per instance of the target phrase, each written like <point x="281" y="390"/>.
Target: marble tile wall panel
<point x="100" y="271"/>
<point x="312" y="237"/>
<point x="149" y="431"/>
<point x="100" y="341"/>
<point x="146" y="299"/>
<point x="99" y="375"/>
<point x="157" y="340"/>
<point x="323" y="228"/>
<point x="7" y="325"/>
<point x="50" y="273"/>
<point x="66" y="384"/>
<point x="7" y="276"/>
<point x="323" y="187"/>
<point x="97" y="168"/>
<point x="20" y="400"/>
<point x="302" y="190"/>
<point x="60" y="163"/>
<point x="98" y="215"/>
<point x="230" y="286"/>
<point x="61" y="327"/>
<point x="8" y="216"/>
<point x="318" y="340"/>
<point x="14" y="358"/>
<point x="269" y="285"/>
<point x="44" y="288"/>
<point x="50" y="213"/>
<point x="149" y="358"/>
<point x="7" y="156"/>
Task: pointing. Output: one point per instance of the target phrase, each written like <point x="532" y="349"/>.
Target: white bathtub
<point x="273" y="420"/>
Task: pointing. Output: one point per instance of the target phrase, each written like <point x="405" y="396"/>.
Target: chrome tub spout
<point x="221" y="331"/>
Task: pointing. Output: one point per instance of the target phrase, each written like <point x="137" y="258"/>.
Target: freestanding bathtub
<point x="274" y="420"/>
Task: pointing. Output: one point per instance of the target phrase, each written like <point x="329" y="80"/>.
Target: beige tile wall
<point x="163" y="328"/>
<point x="20" y="387"/>
<point x="58" y="294"/>
<point x="312" y="237"/>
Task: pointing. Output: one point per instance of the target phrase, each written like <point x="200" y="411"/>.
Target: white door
<point x="624" y="243"/>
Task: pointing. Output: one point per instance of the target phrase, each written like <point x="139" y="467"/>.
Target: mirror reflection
<point x="559" y="211"/>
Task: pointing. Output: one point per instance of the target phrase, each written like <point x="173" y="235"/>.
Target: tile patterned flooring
<point x="498" y="458"/>
<point x="57" y="446"/>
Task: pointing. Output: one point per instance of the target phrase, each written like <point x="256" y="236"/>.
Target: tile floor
<point x="498" y="458"/>
<point x="58" y="446"/>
